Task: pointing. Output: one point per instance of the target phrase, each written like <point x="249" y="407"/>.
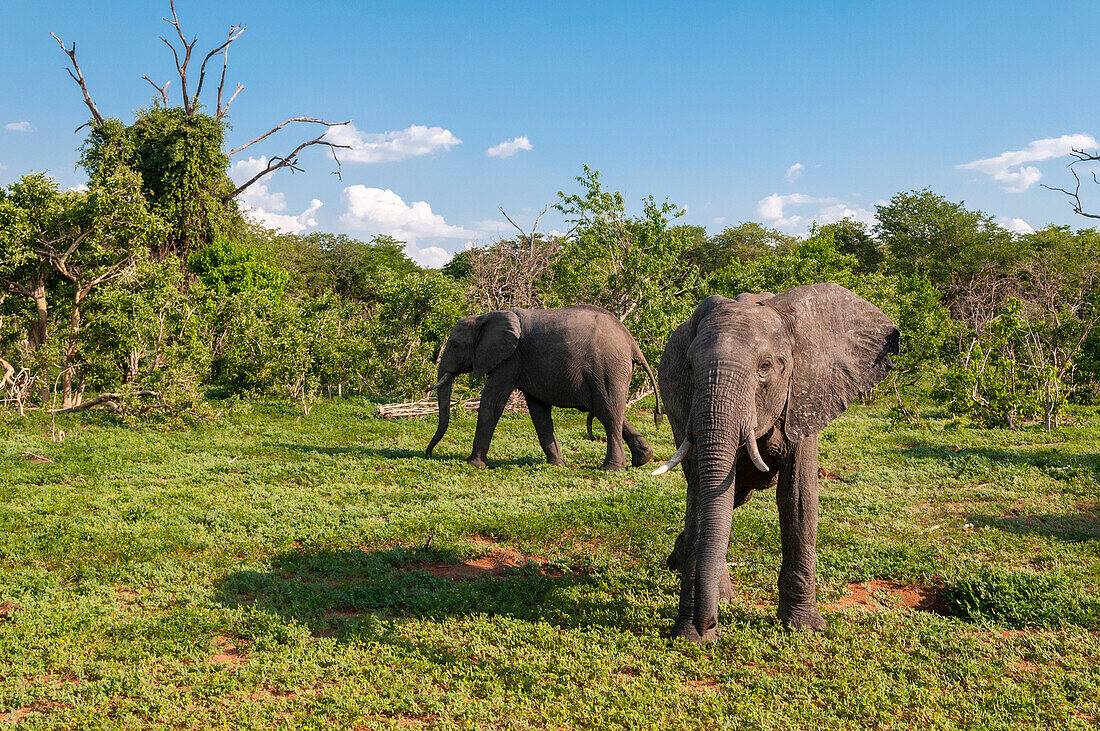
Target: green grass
<point x="261" y="572"/>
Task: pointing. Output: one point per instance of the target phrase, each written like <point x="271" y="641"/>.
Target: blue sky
<point x="779" y="112"/>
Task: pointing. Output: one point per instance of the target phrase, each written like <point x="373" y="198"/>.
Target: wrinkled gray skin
<point x="577" y="357"/>
<point x="765" y="374"/>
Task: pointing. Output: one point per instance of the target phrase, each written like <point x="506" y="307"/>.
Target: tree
<point x="638" y="267"/>
<point x="178" y="150"/>
<point x="746" y="242"/>
<point x="67" y="243"/>
<point x="924" y="233"/>
<point x="852" y="237"/>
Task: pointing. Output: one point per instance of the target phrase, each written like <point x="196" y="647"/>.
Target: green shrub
<point x="1019" y="599"/>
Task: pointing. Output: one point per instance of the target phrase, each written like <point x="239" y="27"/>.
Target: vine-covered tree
<point x="178" y="150"/>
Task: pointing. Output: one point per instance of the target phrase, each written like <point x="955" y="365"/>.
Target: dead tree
<point x="1080" y="157"/>
<point x="511" y="272"/>
<point x="182" y="54"/>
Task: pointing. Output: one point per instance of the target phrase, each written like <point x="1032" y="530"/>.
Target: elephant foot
<point x="638" y="461"/>
<point x="810" y="619"/>
<point x="557" y="462"/>
<point x="611" y="467"/>
<point x="686" y="629"/>
<point x="477" y="462"/>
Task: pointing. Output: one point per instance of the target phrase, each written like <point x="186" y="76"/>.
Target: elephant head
<point x="774" y="368"/>
<point x="477" y="344"/>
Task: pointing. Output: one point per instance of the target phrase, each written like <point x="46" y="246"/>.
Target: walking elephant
<point x="577" y="357"/>
<point x="748" y="384"/>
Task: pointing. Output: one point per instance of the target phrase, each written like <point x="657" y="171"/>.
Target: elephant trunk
<point x="719" y="433"/>
<point x="446" y="383"/>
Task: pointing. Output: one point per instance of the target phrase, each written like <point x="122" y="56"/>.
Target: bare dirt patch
<point x="497" y="560"/>
<point x="878" y="594"/>
<point x="38" y="708"/>
<point x="702" y="686"/>
<point x="227" y="652"/>
<point x="8" y="610"/>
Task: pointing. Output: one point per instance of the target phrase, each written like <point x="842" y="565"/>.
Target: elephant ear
<point x="842" y="348"/>
<point x="498" y="335"/>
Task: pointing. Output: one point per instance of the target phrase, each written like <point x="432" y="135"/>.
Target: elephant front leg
<point x="544" y="427"/>
<point x="796" y="496"/>
<point x="493" y="400"/>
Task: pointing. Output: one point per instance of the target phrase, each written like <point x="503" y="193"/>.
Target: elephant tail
<point x="639" y="358"/>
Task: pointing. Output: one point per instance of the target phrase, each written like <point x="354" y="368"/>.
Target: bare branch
<point x="290" y="161"/>
<point x="162" y="89"/>
<point x="234" y="33"/>
<point x="279" y="127"/>
<point x="222" y="111"/>
<point x="78" y="77"/>
<point x="1078" y="208"/>
<point x="188" y="106"/>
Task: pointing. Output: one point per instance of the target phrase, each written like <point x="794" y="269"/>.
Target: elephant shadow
<point x="352" y="594"/>
<point x="400" y="453"/>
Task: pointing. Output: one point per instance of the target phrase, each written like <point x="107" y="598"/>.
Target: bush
<point x="1018" y="599"/>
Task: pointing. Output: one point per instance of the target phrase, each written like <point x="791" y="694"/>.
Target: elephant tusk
<point x="676" y="458"/>
<point x="754" y="453"/>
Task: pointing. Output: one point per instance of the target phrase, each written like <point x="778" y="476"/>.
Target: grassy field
<point x="264" y="572"/>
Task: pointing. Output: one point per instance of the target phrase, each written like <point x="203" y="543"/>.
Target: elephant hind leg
<point x="615" y="459"/>
<point x="640" y="451"/>
<point x="544" y="427"/>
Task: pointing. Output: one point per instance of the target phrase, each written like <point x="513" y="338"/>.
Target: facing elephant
<point x="748" y="384"/>
<point x="577" y="357"/>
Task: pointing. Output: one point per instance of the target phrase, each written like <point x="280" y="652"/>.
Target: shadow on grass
<point x="396" y="453"/>
<point x="1069" y="528"/>
<point x="344" y="593"/>
<point x="1055" y="463"/>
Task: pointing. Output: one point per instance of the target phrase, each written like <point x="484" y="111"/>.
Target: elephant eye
<point x="765" y="368"/>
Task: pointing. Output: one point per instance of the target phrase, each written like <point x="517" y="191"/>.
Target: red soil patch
<point x="702" y="687"/>
<point x="35" y="709"/>
<point x="496" y="561"/>
<point x="8" y="610"/>
<point x="866" y="596"/>
<point x="227" y="653"/>
<point x="827" y="475"/>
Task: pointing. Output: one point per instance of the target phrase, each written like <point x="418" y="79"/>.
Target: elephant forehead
<point x="746" y="325"/>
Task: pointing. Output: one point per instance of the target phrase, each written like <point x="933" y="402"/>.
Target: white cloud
<point x="391" y="146"/>
<point x="283" y="222"/>
<point x="78" y="188"/>
<point x="718" y="221"/>
<point x="794" y="172"/>
<point x="774" y="210"/>
<point x="1015" y="176"/>
<point x="840" y="211"/>
<point x="1016" y="225"/>
<point x="18" y="127"/>
<point x="510" y="147"/>
<point x="380" y="211"/>
<point x="431" y="256"/>
<point x="258" y="203"/>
